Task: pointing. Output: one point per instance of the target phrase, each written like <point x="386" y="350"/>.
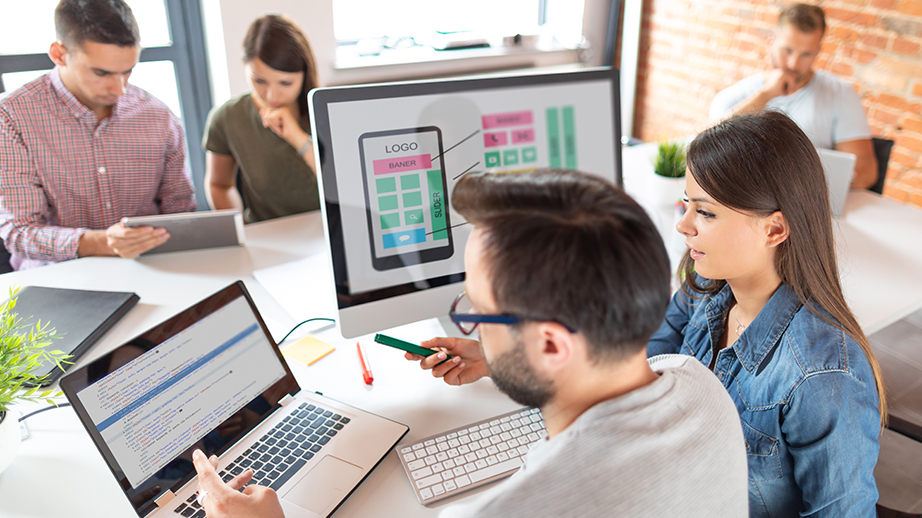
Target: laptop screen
<point x="202" y="379"/>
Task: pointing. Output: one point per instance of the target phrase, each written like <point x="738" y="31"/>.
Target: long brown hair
<point x="281" y="45"/>
<point x="761" y="163"/>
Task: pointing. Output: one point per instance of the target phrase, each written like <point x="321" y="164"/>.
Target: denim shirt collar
<point x="761" y="336"/>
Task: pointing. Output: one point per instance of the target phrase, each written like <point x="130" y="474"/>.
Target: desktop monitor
<point x="389" y="155"/>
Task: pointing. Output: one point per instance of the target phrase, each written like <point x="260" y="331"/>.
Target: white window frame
<point x="226" y="22"/>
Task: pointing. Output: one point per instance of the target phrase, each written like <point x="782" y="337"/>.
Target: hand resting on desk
<point x="467" y="364"/>
<point x="225" y="501"/>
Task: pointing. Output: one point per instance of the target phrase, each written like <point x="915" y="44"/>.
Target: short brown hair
<point x="100" y="21"/>
<point x="804" y="17"/>
<point x="281" y="45"/>
<point x="571" y="248"/>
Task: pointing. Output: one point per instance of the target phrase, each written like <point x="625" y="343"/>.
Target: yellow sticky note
<point x="307" y="350"/>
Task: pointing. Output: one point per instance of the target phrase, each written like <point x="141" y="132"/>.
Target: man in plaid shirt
<point x="80" y="148"/>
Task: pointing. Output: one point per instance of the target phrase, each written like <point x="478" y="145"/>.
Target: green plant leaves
<point x="670" y="160"/>
<point x="22" y="349"/>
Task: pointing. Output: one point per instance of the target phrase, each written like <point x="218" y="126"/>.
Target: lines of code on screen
<point x="158" y="405"/>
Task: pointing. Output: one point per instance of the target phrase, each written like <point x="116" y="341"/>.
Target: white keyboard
<point x="470" y="456"/>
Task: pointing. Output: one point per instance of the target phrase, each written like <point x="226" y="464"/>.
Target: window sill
<point x="425" y="62"/>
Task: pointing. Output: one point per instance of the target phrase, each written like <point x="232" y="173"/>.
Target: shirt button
<point x="108" y="205"/>
<point x="101" y="170"/>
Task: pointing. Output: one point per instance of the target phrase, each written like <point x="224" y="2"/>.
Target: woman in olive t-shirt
<point x="263" y="135"/>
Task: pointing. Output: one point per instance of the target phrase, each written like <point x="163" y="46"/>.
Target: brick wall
<point x="691" y="49"/>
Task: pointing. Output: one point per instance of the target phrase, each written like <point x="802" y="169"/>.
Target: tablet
<point x="194" y="230"/>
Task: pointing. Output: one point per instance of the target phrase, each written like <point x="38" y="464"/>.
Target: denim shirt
<point x="807" y="400"/>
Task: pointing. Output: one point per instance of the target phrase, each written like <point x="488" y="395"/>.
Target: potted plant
<point x="668" y="180"/>
<point x="22" y="349"/>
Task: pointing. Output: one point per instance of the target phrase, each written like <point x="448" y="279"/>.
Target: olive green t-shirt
<point x="275" y="180"/>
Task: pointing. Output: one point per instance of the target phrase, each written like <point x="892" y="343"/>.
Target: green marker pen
<point x="405" y="346"/>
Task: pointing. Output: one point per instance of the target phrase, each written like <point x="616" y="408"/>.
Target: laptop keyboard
<point x="471" y="456"/>
<point x="279" y="454"/>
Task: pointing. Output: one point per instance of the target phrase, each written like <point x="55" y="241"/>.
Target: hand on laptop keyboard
<point x="225" y="500"/>
<point x="467" y="364"/>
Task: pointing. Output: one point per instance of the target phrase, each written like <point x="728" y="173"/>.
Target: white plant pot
<point x="665" y="191"/>
<point x="9" y="438"/>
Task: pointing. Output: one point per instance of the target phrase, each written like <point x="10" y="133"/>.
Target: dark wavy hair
<point x="571" y="248"/>
<point x="761" y="163"/>
<point x="279" y="43"/>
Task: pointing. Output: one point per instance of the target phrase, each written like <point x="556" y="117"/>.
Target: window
<point x="172" y="66"/>
<point x="416" y="30"/>
<point x="354" y="20"/>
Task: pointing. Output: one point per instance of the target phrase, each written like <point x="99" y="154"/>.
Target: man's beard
<point x="515" y="377"/>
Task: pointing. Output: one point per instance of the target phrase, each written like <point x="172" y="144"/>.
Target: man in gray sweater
<point x="567" y="279"/>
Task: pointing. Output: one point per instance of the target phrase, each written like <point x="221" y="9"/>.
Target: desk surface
<point x="60" y="454"/>
<point x="880" y="259"/>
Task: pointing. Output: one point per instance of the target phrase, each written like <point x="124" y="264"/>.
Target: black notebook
<point x="79" y="317"/>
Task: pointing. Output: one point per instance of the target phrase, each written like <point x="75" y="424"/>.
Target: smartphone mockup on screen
<point x="406" y="199"/>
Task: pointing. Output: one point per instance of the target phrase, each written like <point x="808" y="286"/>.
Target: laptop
<point x="212" y="378"/>
<point x="840" y="169"/>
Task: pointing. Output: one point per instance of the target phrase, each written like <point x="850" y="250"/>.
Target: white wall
<point x="316" y="19"/>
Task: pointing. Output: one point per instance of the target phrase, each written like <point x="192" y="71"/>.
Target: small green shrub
<point x="22" y="349"/>
<point x="670" y="160"/>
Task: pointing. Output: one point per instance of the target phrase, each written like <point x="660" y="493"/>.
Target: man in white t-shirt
<point x="823" y="105"/>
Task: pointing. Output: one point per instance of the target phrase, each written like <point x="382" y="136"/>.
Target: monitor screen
<point x="389" y="155"/>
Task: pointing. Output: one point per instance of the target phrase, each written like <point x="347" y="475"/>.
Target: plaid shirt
<point x="62" y="172"/>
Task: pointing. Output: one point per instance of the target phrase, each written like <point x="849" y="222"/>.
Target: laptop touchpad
<point x="329" y="482"/>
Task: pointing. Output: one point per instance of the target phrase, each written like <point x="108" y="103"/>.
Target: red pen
<point x="366" y="365"/>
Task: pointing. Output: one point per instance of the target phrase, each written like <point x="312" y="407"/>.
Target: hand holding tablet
<point x="192" y="230"/>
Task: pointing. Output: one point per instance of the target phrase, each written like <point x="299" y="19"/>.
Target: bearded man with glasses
<point x="567" y="279"/>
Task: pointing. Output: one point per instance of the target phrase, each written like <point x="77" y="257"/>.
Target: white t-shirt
<point x="671" y="448"/>
<point x="827" y="108"/>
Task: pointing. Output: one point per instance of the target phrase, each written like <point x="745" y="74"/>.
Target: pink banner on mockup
<point x="502" y="120"/>
<point x="523" y="136"/>
<point x="494" y="139"/>
<point x="404" y="163"/>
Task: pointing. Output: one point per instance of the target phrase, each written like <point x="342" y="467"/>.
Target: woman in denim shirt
<point x="762" y="306"/>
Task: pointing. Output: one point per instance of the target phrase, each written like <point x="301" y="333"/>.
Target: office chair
<point x="898" y="481"/>
<point x="5" y="266"/>
<point x="882" y="149"/>
<point x="883" y="512"/>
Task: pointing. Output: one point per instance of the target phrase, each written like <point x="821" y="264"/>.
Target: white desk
<point x="59" y="473"/>
<point x="60" y="457"/>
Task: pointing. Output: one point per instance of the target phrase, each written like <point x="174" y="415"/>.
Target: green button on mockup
<point x="412" y="199"/>
<point x="413" y="217"/>
<point x="409" y="181"/>
<point x="569" y="137"/>
<point x="511" y="157"/>
<point x="529" y="154"/>
<point x="491" y="159"/>
<point x="386" y="203"/>
<point x="390" y="220"/>
<point x="386" y="185"/>
<point x="553" y="137"/>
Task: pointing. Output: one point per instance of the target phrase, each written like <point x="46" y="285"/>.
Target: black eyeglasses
<point x="467" y="322"/>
